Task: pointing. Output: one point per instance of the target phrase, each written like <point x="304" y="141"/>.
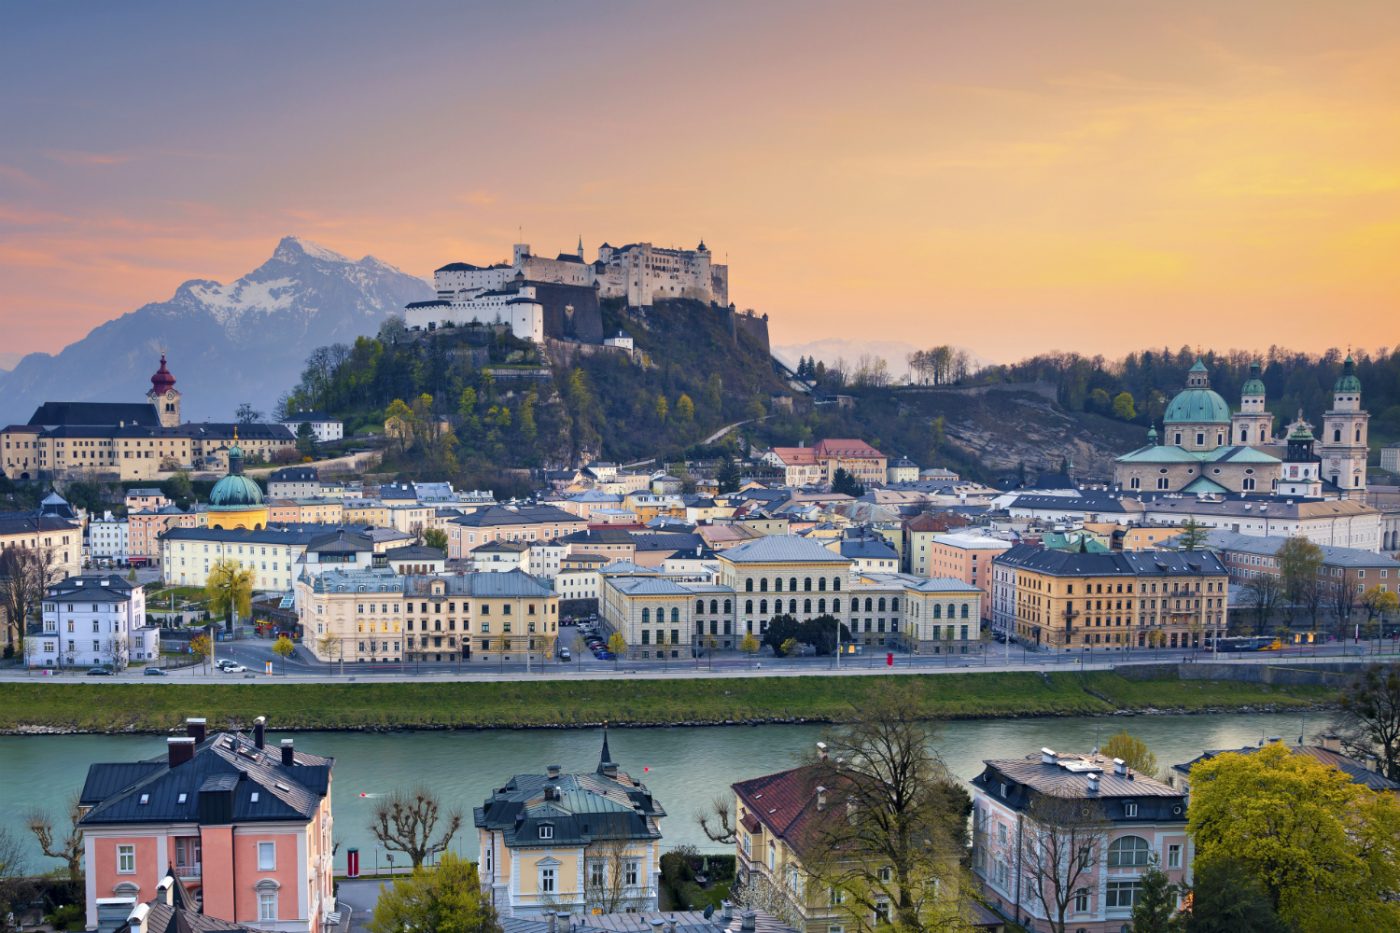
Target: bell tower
<point x="1252" y="425"/>
<point x="165" y="397"/>
<point x="1344" y="435"/>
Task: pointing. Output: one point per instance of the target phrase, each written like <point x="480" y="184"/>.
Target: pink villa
<point x="1073" y="831"/>
<point x="246" y="828"/>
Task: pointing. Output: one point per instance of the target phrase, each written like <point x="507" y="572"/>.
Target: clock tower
<point x="165" y="397"/>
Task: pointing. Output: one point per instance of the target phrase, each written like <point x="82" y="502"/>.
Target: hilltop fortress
<point x="540" y="297"/>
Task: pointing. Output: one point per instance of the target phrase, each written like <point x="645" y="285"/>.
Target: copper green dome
<point x="235" y="492"/>
<point x="1197" y="403"/>
<point x="1254" y="385"/>
<point x="1348" y="382"/>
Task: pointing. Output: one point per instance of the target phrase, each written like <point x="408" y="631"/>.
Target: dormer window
<point x="546" y="831"/>
<point x="145" y="799"/>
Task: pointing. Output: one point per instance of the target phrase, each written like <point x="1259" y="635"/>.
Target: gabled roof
<point x="506" y="584"/>
<point x="781" y="549"/>
<point x="62" y="414"/>
<point x="786" y="804"/>
<point x="494" y="515"/>
<point x="848" y="448"/>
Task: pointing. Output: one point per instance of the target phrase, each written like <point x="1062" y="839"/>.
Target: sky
<point x="1009" y="178"/>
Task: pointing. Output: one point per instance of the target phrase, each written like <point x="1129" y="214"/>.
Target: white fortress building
<point x="506" y="293"/>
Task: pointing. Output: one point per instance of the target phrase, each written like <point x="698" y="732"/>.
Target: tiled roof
<point x="786" y="803"/>
<point x="516" y="515"/>
<point x="781" y="549"/>
<point x="507" y="584"/>
<point x="1127" y="563"/>
<point x="848" y="448"/>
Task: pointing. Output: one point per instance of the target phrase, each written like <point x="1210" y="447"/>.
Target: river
<point x="684" y="767"/>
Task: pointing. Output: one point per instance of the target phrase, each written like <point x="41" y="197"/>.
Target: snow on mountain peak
<point x="292" y="247"/>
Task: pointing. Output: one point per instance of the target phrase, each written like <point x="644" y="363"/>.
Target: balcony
<point x="188" y="870"/>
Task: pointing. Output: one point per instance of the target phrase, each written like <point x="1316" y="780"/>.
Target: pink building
<point x="145" y="528"/>
<point x="247" y="828"/>
<point x="963" y="556"/>
<point x="1073" y="832"/>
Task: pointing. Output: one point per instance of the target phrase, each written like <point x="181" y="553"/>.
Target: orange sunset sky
<point x="1011" y="178"/>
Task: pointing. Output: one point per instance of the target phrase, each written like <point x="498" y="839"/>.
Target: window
<point x="1081" y="901"/>
<point x="1174" y="855"/>
<point x="267" y="905"/>
<point x="1122" y="894"/>
<point x="546" y="880"/>
<point x="267" y="856"/>
<point x="882" y="911"/>
<point x="1130" y="810"/>
<point x="837" y="897"/>
<point x="546" y="831"/>
<point x="886" y="873"/>
<point x="1129" y="852"/>
<point x="631" y="870"/>
<point x="126" y="860"/>
<point x="597" y="874"/>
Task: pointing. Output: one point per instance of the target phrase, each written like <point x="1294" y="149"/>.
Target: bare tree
<point x="1343" y="601"/>
<point x="1369" y="721"/>
<point x="772" y="897"/>
<point x="1060" y="848"/>
<point x="1263" y="592"/>
<point x="25" y="573"/>
<point x="68" y="848"/>
<point x="615" y="878"/>
<point x="717" y="822"/>
<point x="407" y="822"/>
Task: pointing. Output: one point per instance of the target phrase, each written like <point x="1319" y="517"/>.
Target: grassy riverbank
<point x="90" y="707"/>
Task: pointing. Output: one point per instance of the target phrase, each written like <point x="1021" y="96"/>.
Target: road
<point x="254" y="653"/>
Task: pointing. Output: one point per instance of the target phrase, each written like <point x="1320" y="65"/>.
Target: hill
<point x="227" y="344"/>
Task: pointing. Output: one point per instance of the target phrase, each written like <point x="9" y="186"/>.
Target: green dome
<point x="235" y="492"/>
<point x="1348" y="382"/>
<point x="1197" y="406"/>
<point x="1254" y="385"/>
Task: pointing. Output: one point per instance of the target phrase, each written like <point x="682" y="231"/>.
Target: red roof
<point x="936" y="521"/>
<point x="786" y="803"/>
<point x="796" y="456"/>
<point x="163" y="379"/>
<point x="847" y="448"/>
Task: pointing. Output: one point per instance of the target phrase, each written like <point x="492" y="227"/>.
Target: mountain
<point x="241" y="342"/>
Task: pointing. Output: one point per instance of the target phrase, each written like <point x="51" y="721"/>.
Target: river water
<point x="685" y="767"/>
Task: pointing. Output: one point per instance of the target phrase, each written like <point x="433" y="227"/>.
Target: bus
<point x="1255" y="643"/>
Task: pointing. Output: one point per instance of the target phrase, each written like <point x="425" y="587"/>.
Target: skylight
<point x="182" y="798"/>
<point x="254" y="798"/>
<point x="145" y="799"/>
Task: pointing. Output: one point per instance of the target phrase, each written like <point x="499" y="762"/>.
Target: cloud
<point x="70" y="157"/>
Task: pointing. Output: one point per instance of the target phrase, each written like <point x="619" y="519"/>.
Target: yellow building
<point x="579" y="843"/>
<point x="236" y="501"/>
<point x="1072" y="600"/>
<point x="352" y="616"/>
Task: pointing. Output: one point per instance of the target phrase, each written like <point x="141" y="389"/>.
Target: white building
<point x="323" y="426"/>
<point x="93" y="620"/>
<point x="108" y="538"/>
<point x="295" y="482"/>
<point x="514" y="306"/>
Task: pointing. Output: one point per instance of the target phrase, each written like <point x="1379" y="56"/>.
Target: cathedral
<point x="1205" y="449"/>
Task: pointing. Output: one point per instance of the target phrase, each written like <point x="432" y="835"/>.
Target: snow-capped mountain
<point x="246" y="341"/>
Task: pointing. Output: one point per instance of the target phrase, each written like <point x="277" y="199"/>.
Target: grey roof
<point x="1356" y="770"/>
<point x="507" y="584"/>
<point x="295" y="474"/>
<point x="668" y="541"/>
<point x="341" y="541"/>
<point x="1268" y="545"/>
<point x="501" y="547"/>
<point x="303" y="535"/>
<point x="61" y="414"/>
<point x="516" y="515"/>
<point x="1084" y="502"/>
<point x="92" y="587"/>
<point x="1030" y="777"/>
<point x="648" y="586"/>
<point x="257" y="431"/>
<point x="378" y="580"/>
<point x="867" y="549"/>
<point x="227" y="767"/>
<point x="1127" y="563"/>
<point x="604" y="535"/>
<point x="781" y="549"/>
<point x="145" y="491"/>
<point x="16" y="523"/>
<point x="415" y="552"/>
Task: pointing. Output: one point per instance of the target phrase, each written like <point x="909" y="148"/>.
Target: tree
<point x="605" y="887"/>
<point x="435" y="538"/>
<point x="1326" y="850"/>
<point x="25" y="573"/>
<point x="1342" y="599"/>
<point x="1263" y="591"/>
<point x="1379" y="603"/>
<point x="306" y="439"/>
<point x="748" y="644"/>
<point x="662" y="407"/>
<point x="1060" y="850"/>
<point x="1227" y="898"/>
<point x="1123" y="408"/>
<point x="201" y="647"/>
<point x="685" y="408"/>
<point x="284" y="648"/>
<point x="1369" y="721"/>
<point x="617" y="645"/>
<point x="843" y="482"/>
<point x="1156" y="904"/>
<point x="408" y="823"/>
<point x="717" y="821"/>
<point x="1299" y="560"/>
<point x="897" y="848"/>
<point x="1133" y="751"/>
<point x="1193" y="535"/>
<point x="177" y="487"/>
<point x="446" y="898"/>
<point x="67" y="848"/>
<point x="728" y="476"/>
<point x="229" y="588"/>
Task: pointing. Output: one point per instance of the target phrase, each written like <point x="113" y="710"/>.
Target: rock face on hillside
<point x="241" y="342"/>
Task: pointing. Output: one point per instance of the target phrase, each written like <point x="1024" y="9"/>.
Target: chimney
<point x="748" y="921"/>
<point x="196" y="727"/>
<point x="1120" y="767"/>
<point x="552" y="924"/>
<point x="165" y="891"/>
<point x="566" y="922"/>
<point x="1093" y="783"/>
<point x="179" y="750"/>
<point x="1331" y="741"/>
<point x="821" y="798"/>
<point x="655" y="925"/>
<point x="137" y="920"/>
<point x="670" y="925"/>
<point x="1048" y="756"/>
<point x="259" y="731"/>
<point x="553" y="770"/>
<point x="821" y="750"/>
<point x="726" y="911"/>
<point x="287" y="758"/>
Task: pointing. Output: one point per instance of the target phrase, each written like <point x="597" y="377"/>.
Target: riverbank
<point x="155" y="708"/>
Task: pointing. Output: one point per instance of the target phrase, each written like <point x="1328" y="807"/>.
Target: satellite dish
<point x="709" y="911"/>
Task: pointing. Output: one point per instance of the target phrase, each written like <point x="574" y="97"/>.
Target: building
<point x="1328" y="751"/>
<point x="799" y="465"/>
<point x="583" y="843"/>
<point x="965" y="556"/>
<point x="1074" y="829"/>
<point x="642" y="273"/>
<point x="1072" y="600"/>
<point x="856" y="457"/>
<point x="274" y="555"/>
<point x="93" y="620"/>
<point x="1390" y="458"/>
<point x="172" y="910"/>
<point x="145" y="528"/>
<point x="501" y="556"/>
<point x="352" y="616"/>
<point x="294" y="482"/>
<point x="1247" y="557"/>
<point x="108" y="538"/>
<point x="145" y="498"/>
<point x="236" y="501"/>
<point x="526" y="523"/>
<point x="324" y="428"/>
<point x="902" y="470"/>
<point x="61" y="538"/>
<point x="1344" y="443"/>
<point x="246" y="827"/>
<point x="867" y="554"/>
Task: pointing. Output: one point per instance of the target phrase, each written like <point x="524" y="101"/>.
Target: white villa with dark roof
<point x="93" y="620"/>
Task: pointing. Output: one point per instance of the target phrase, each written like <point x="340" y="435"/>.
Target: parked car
<point x="234" y="669"/>
<point x="155" y="672"/>
<point x="604" y="655"/>
<point x="565" y="654"/>
<point x="99" y="672"/>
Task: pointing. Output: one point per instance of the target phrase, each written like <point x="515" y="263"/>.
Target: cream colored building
<point x="585" y="843"/>
<point x="62" y="538"/>
<point x="272" y="554"/>
<point x="352" y="616"/>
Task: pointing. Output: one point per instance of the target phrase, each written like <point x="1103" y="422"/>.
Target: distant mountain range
<point x="246" y="341"/>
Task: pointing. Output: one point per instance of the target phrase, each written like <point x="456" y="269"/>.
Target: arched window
<point x="836" y="605"/>
<point x="821" y="584"/>
<point x="646" y="616"/>
<point x="792" y="605"/>
<point x="937" y="611"/>
<point x="836" y="584"/>
<point x="881" y="604"/>
<point x="1337" y="435"/>
<point x="952" y="610"/>
<point x="726" y="607"/>
<point x="699" y="605"/>
<point x="869" y="604"/>
<point x="1129" y="852"/>
<point x="792" y="584"/>
<point x="807" y="585"/>
<point x="748" y="586"/>
<point x="714" y="607"/>
<point x="763" y="607"/>
<point x="763" y="585"/>
<point x="748" y="607"/>
<point x="778" y="585"/>
<point x="807" y="606"/>
<point x="675" y="614"/>
<point x="821" y="605"/>
<point x="963" y="613"/>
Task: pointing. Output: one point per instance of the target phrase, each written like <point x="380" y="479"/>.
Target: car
<point x="565" y="654"/>
<point x="155" y="672"/>
<point x="99" y="672"/>
<point x="234" y="669"/>
<point x="604" y="655"/>
<point x="223" y="663"/>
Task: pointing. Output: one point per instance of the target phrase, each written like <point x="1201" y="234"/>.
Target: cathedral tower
<point x="1252" y="426"/>
<point x="165" y="397"/>
<point x="1344" y="428"/>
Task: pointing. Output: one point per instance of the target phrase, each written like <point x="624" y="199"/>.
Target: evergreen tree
<point x="1156" y="905"/>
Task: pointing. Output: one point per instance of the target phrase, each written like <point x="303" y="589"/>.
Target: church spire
<point x="605" y="758"/>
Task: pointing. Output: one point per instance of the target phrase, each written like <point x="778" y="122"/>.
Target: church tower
<point x="165" y="397"/>
<point x="1252" y="426"/>
<point x="1344" y="426"/>
<point x="1302" y="469"/>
